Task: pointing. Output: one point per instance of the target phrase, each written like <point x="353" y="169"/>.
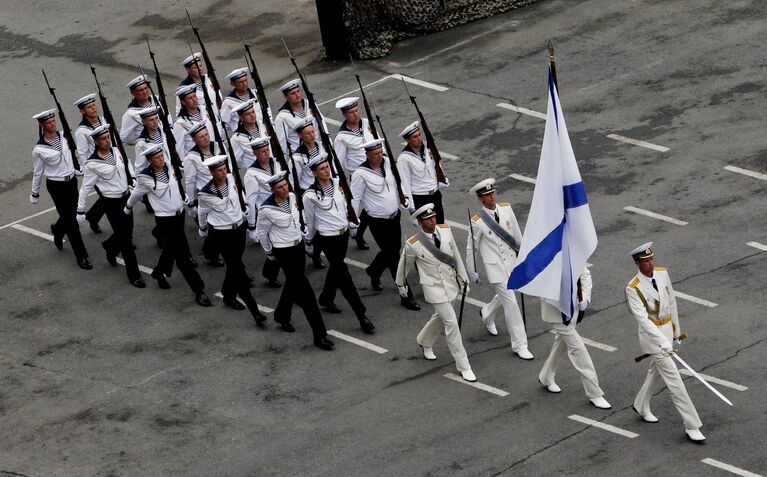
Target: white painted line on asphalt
<point x="594" y="344"/>
<point x="34" y="232"/>
<point x="418" y="82"/>
<point x="332" y="121"/>
<point x="447" y="156"/>
<point x="637" y="142"/>
<point x="358" y="342"/>
<point x="522" y="178"/>
<point x="355" y="263"/>
<point x="478" y="385"/>
<point x="694" y="299"/>
<point x="461" y="43"/>
<point x="521" y="110"/>
<point x="142" y="268"/>
<point x="457" y="225"/>
<point x="647" y="213"/>
<point x="718" y="381"/>
<point x="264" y="309"/>
<point x="602" y="425"/>
<point x="729" y="468"/>
<point x="758" y="246"/>
<point x="356" y="90"/>
<point x="475" y="302"/>
<point x="42" y="212"/>
<point x="746" y="172"/>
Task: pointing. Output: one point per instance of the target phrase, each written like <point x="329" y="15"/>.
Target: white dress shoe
<point x="552" y="388"/>
<point x="695" y="435"/>
<point x="468" y="375"/>
<point x="600" y="402"/>
<point x="489" y="325"/>
<point x="428" y="353"/>
<point x="649" y="417"/>
<point x="525" y="354"/>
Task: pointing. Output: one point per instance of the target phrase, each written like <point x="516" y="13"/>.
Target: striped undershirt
<point x="162" y="176"/>
<point x="223" y="191"/>
<point x="156" y="137"/>
<point x="328" y="191"/>
<point x="244" y="97"/>
<point x="285" y="206"/>
<point x="196" y="117"/>
<point x="300" y="114"/>
<point x="55" y="143"/>
<point x="314" y="152"/>
<point x="110" y="159"/>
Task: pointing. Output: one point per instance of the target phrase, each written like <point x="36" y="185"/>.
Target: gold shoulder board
<point x="634" y="282"/>
<point x="475" y="217"/>
<point x="660" y="269"/>
<point x="444" y="226"/>
<point x="504" y="204"/>
<point x="412" y="240"/>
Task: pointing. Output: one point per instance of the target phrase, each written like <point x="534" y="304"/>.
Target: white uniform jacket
<point x="196" y="174"/>
<point x="165" y="198"/>
<point x="242" y="152"/>
<point x="131" y="121"/>
<point x="375" y="194"/>
<point x="439" y="280"/>
<point x="200" y="95"/>
<point x="181" y="128"/>
<point x="301" y="158"/>
<point x="110" y="178"/>
<point x="218" y="211"/>
<point x="494" y="252"/>
<point x="551" y="314"/>
<point x="50" y="162"/>
<point x="284" y="122"/>
<point x="325" y="215"/>
<point x="257" y="189"/>
<point x="144" y="142"/>
<point x="348" y="145"/>
<point x="418" y="173"/>
<point x="83" y="140"/>
<point x="232" y="119"/>
<point x="276" y="228"/>
<point x="654" y="311"/>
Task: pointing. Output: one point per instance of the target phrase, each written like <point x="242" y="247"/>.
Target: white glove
<point x="309" y="249"/>
<point x="666" y="347"/>
<point x="202" y="232"/>
<point x="402" y="291"/>
<point x="474" y="277"/>
<point x="80" y="217"/>
<point x="270" y="256"/>
<point x="443" y="185"/>
<point x="133" y="183"/>
<point x="127" y="210"/>
<point x="191" y="211"/>
<point x="582" y="305"/>
<point x="34" y="199"/>
<point x="252" y="236"/>
<point x="78" y="173"/>
<point x="406" y="205"/>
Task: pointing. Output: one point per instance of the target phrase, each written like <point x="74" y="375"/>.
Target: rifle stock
<point x="64" y="125"/>
<point x="429" y="138"/>
<point x="296" y="186"/>
<point x="364" y="100"/>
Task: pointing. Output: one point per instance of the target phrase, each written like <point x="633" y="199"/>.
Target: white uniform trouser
<point x="566" y="337"/>
<point x="663" y="368"/>
<point x="507" y="299"/>
<point x="445" y="315"/>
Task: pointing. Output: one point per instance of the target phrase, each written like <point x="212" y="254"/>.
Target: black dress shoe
<point x="111" y="258"/>
<point x="216" y="262"/>
<point x="95" y="227"/>
<point x="287" y="327"/>
<point x="331" y="307"/>
<point x="319" y="264"/>
<point x="274" y="283"/>
<point x="58" y="240"/>
<point x="162" y="282"/>
<point x="375" y="283"/>
<point x="324" y="343"/>
<point x="362" y="245"/>
<point x="366" y="325"/>
<point x="410" y="304"/>
<point x="139" y="283"/>
<point x="259" y="318"/>
<point x="234" y="304"/>
<point x="202" y="299"/>
<point x="84" y="263"/>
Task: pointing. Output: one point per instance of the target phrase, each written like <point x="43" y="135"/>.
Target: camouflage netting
<point x="374" y="25"/>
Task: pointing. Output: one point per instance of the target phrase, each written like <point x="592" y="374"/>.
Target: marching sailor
<point x="188" y="116"/>
<point x="85" y="147"/>
<point x="435" y="254"/>
<point x="293" y="110"/>
<point x="418" y="172"/>
<point x="250" y="128"/>
<point x="150" y="135"/>
<point x="240" y="93"/>
<point x="495" y="239"/>
<point x="650" y="299"/>
<point x="142" y="98"/>
<point x="195" y="69"/>
<point x="308" y="149"/>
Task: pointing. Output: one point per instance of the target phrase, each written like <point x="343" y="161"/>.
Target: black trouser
<point x="338" y="273"/>
<point x="122" y="229"/>
<point x="297" y="290"/>
<point x="65" y="195"/>
<point x="176" y="249"/>
<point x="271" y="270"/>
<point x="97" y="210"/>
<point x="387" y="233"/>
<point x="363" y="218"/>
<point x="436" y="199"/>
<point x="232" y="245"/>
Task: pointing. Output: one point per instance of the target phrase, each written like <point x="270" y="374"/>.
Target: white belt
<point x="388" y="217"/>
<point x="227" y="227"/>
<point x="333" y="233"/>
<point x="61" y="179"/>
<point x="286" y="244"/>
<point x="428" y="192"/>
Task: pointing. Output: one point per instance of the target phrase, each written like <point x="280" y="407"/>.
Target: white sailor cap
<point x="190" y="59"/>
<point x="238" y="73"/>
<point x="138" y="80"/>
<point x="259" y="142"/>
<point x="304" y="123"/>
<point x="292" y="84"/>
<point x="317" y="161"/>
<point x="374" y="144"/>
<point x="153" y="150"/>
<point x="277" y="178"/>
<point x="347" y="103"/>
<point x="424" y="212"/>
<point x="643" y="251"/>
<point x="484" y="187"/>
<point x="244" y="106"/>
<point x="410" y="129"/>
<point x="45" y="115"/>
<point x="215" y="161"/>
<point x="149" y="112"/>
<point x="196" y="127"/>
<point x="85" y="100"/>
<point x="185" y="89"/>
<point x="99" y="131"/>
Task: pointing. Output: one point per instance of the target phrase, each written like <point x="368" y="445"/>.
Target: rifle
<point x="364" y="100"/>
<point x="553" y="65"/>
<point x="429" y="138"/>
<point x="64" y="125"/>
<point x="326" y="143"/>
<point x="394" y="170"/>
<point x="296" y="186"/>
<point x="262" y="101"/>
<point x="170" y="141"/>
<point x="209" y="110"/>
<point x="113" y="131"/>
<point x="208" y="64"/>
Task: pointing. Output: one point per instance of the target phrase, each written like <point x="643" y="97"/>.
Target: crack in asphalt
<point x="676" y="282"/>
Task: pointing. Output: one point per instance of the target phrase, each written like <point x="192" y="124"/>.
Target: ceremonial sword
<point x="700" y="378"/>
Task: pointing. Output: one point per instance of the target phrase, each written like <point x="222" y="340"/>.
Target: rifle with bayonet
<point x="64" y="125"/>
<point x="209" y="109"/>
<point x="170" y="141"/>
<point x="208" y="64"/>
<point x="364" y="100"/>
<point x="393" y="162"/>
<point x="326" y="143"/>
<point x="296" y="185"/>
<point x="113" y="131"/>
<point x="429" y="138"/>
